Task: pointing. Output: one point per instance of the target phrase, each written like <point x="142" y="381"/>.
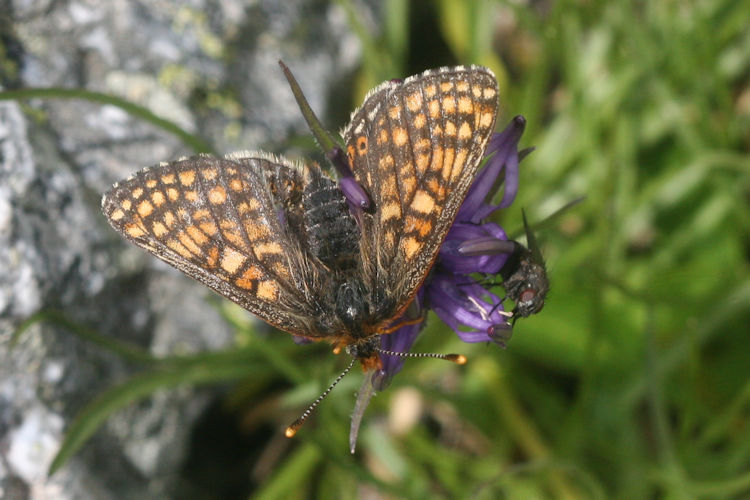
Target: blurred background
<point x="131" y="381"/>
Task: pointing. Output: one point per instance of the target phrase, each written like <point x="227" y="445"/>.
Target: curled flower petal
<point x="503" y="153"/>
<point x="354" y="193"/>
<point x="486" y="246"/>
<point x="452" y="259"/>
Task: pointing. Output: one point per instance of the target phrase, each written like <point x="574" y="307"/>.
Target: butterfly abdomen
<point x="332" y="233"/>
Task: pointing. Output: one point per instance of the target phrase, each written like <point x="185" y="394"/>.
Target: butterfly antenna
<point x="292" y="429"/>
<point x="459" y="359"/>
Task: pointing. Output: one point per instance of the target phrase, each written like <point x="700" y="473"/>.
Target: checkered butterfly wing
<point x="415" y="147"/>
<point x="218" y="221"/>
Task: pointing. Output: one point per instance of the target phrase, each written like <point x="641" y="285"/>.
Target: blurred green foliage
<point x="634" y="381"/>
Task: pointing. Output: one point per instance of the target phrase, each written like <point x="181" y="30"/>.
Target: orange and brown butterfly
<point x="279" y="238"/>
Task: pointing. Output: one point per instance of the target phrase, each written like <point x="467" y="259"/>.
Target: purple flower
<point x="472" y="247"/>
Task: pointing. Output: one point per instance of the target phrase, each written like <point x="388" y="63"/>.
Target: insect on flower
<point x="344" y="261"/>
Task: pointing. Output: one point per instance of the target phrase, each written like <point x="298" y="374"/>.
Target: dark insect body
<point x="525" y="276"/>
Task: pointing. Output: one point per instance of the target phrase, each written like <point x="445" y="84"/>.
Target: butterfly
<point x="279" y="238"/>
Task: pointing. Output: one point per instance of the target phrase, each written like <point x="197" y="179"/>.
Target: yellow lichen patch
<point x="173" y="194"/>
<point x="267" y="290"/>
<point x="159" y="229"/>
<point x="217" y="195"/>
<point x="464" y="131"/>
<point x="209" y="173"/>
<point x="191" y="196"/>
<point x="117" y="215"/>
<point x="167" y="179"/>
<point x="232" y="260"/>
<point x="446" y="86"/>
<point x="449" y="104"/>
<point x="126" y="204"/>
<point x="419" y="121"/>
<point x="158" y="198"/>
<point x="134" y="230"/>
<point x="169" y="219"/>
<point x="197" y="235"/>
<point x="423" y="160"/>
<point x="271" y="247"/>
<point x="145" y="208"/>
<point x="410" y="247"/>
<point x="450" y="128"/>
<point x="151" y="183"/>
<point x="394" y="112"/>
<point x="414" y="101"/>
<point x="187" y="177"/>
<point x="462" y="86"/>
<point x="423" y="202"/>
<point x="465" y="105"/>
<point x="235" y="185"/>
<point x="179" y="248"/>
<point x="459" y="164"/>
<point x="390" y="211"/>
<point x="137" y="193"/>
<point x="430" y="90"/>
<point x="400" y="136"/>
<point x="212" y="257"/>
<point x="434" y="108"/>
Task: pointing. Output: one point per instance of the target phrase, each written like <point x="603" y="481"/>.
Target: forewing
<point x="415" y="147"/>
<point x="218" y="221"/>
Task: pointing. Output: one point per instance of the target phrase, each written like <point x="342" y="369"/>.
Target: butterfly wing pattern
<point x="216" y="220"/>
<point x="278" y="239"/>
<point x="415" y="147"/>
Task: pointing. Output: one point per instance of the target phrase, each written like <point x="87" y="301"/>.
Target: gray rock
<point x="178" y="59"/>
